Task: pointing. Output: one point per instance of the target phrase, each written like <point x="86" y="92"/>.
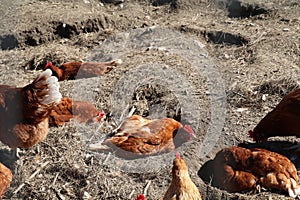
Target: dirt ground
<point x="219" y="65"/>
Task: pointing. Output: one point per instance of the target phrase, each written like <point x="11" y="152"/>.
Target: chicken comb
<point x="140" y="197"/>
<point x="189" y="129"/>
<point x="178" y="155"/>
<point x="251" y="134"/>
<point x="101" y="113"/>
<point x="49" y="64"/>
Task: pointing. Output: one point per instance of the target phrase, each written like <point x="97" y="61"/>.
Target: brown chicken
<point x="82" y="111"/>
<point x="182" y="187"/>
<point x="283" y="120"/>
<point x="24" y="111"/>
<point x="138" y="136"/>
<point x="76" y="70"/>
<point x="5" y="179"/>
<point x="237" y="169"/>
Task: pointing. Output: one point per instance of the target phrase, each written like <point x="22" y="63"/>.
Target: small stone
<point x="86" y="195"/>
<point x="76" y="166"/>
<point x="241" y="109"/>
<point x="285" y="29"/>
<point x="147" y="17"/>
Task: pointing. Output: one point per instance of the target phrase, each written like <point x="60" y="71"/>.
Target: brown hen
<point x="76" y="70"/>
<point x="182" y="187"/>
<point x="24" y="111"/>
<point x="283" y="120"/>
<point x="5" y="179"/>
<point x="82" y="111"/>
<point x="237" y="169"/>
<point x="138" y="136"/>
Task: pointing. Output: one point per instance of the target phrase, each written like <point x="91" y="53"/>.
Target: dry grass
<point x="257" y="75"/>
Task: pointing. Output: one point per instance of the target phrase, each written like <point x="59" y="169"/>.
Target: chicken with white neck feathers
<point x="24" y="111"/>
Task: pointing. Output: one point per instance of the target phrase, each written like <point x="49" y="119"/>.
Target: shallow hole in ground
<point x="8" y="42"/>
<point x="277" y="87"/>
<point x="54" y="30"/>
<point x="220" y="37"/>
<point x="173" y="3"/>
<point x="238" y="10"/>
<point x="38" y="63"/>
<point x="156" y="101"/>
<point x="66" y="30"/>
<point x="259" y="96"/>
<point x="241" y="97"/>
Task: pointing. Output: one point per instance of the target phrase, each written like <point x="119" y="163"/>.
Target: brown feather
<point x="67" y="109"/>
<point x="76" y="70"/>
<point x="139" y="136"/>
<point x="182" y="187"/>
<point x="283" y="120"/>
<point x="238" y="169"/>
<point x="5" y="179"/>
<point x="24" y="111"/>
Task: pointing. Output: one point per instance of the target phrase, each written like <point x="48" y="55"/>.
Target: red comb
<point x="140" y="197"/>
<point x="177" y="155"/>
<point x="49" y="64"/>
<point x="189" y="129"/>
<point x="251" y="133"/>
<point x="101" y="113"/>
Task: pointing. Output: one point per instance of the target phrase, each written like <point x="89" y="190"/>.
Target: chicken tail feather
<point x="297" y="191"/>
<point x="98" y="146"/>
<point x="294" y="191"/>
<point x="48" y="88"/>
<point x="116" y="62"/>
<point x="291" y="193"/>
<point x="40" y="96"/>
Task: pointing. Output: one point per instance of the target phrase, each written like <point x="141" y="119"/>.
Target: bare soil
<point x="215" y="64"/>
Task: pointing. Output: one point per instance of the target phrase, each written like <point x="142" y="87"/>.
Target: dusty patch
<point x="252" y="46"/>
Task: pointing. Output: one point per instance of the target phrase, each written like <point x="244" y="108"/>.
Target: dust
<point x="253" y="46"/>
